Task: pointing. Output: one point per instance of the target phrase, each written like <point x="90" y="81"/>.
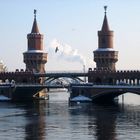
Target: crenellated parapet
<point x="131" y="77"/>
<point x="19" y="76"/>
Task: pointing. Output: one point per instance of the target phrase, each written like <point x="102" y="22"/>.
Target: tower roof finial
<point x="105" y="8"/>
<point x="105" y="26"/>
<point x="35" y="26"/>
<point x="35" y="11"/>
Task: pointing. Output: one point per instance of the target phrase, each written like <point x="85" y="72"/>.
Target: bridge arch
<point x="51" y="79"/>
<point x="110" y="95"/>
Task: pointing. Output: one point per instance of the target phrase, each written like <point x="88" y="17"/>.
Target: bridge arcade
<point x="122" y="77"/>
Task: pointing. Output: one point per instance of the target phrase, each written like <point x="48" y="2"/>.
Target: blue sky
<point x="73" y="23"/>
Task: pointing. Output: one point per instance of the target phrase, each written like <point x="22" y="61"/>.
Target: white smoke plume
<point x="66" y="52"/>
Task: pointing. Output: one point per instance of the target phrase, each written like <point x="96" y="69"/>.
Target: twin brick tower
<point x="35" y="58"/>
<point x="105" y="56"/>
<point x="105" y="72"/>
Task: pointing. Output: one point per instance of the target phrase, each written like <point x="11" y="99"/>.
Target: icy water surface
<point x="59" y="120"/>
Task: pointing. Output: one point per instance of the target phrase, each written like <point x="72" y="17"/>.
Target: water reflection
<point x="101" y="120"/>
<point x="35" y="123"/>
<point x="57" y="120"/>
<point x="110" y="122"/>
<point x="105" y="122"/>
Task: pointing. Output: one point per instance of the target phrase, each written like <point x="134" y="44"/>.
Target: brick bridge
<point x="103" y="93"/>
<point x="103" y="77"/>
<point x="106" y="85"/>
<point x="97" y="77"/>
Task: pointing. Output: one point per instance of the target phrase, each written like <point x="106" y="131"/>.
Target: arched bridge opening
<point x="76" y="77"/>
<point x="110" y="95"/>
<point x="103" y="93"/>
<point x="63" y="79"/>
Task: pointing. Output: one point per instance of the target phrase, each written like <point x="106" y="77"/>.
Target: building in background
<point x="3" y="67"/>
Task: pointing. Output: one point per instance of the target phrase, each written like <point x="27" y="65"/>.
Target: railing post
<point x="137" y="81"/>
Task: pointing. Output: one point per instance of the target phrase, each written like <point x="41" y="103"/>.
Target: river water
<point x="57" y="119"/>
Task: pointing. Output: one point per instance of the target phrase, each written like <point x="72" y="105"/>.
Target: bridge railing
<point x="114" y="71"/>
<point x="62" y="74"/>
<point x="71" y="71"/>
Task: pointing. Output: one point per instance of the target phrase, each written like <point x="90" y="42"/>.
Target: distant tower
<point x="105" y="56"/>
<point x="35" y="58"/>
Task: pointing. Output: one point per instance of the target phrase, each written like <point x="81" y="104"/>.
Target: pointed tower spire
<point x="35" y="39"/>
<point x="105" y="56"/>
<point x="105" y="26"/>
<point x="35" y="26"/>
<point x="35" y="57"/>
<point x="105" y="34"/>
